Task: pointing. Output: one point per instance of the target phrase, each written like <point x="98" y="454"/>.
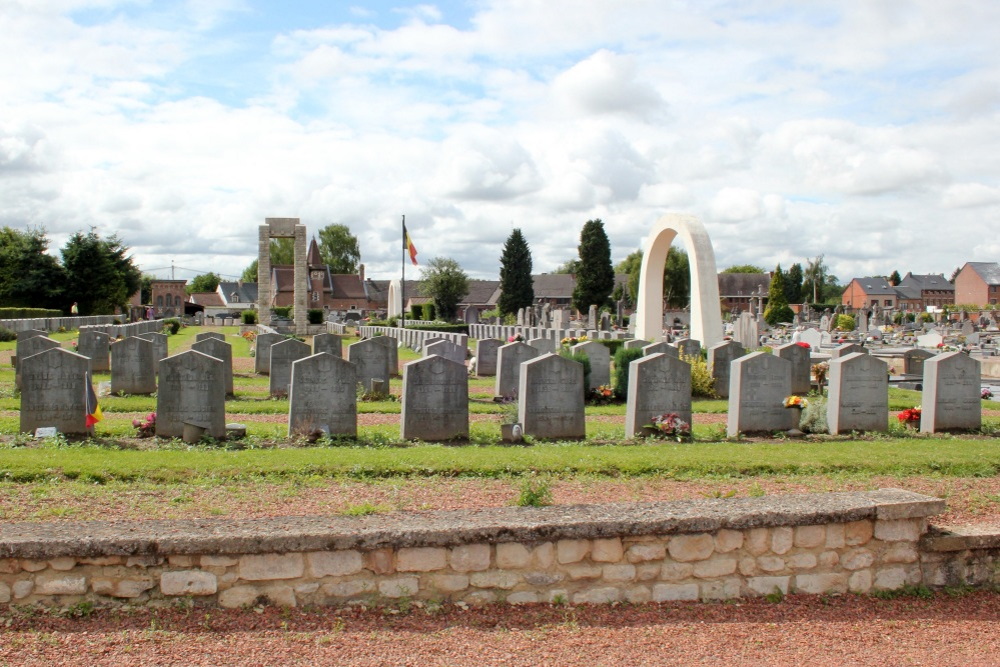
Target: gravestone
<point x="30" y="333"/>
<point x="758" y="384"/>
<point x="97" y="347"/>
<point x="559" y="319"/>
<point x="193" y="392"/>
<point x="323" y="396"/>
<point x="371" y="361"/>
<point x="222" y="351"/>
<point x="543" y="345"/>
<point x="952" y="391"/>
<point x="720" y="356"/>
<point x="815" y="338"/>
<point x="801" y="365"/>
<point x="132" y="366"/>
<point x="446" y="349"/>
<point x="605" y="321"/>
<point x="520" y="317"/>
<point x="486" y="356"/>
<point x="824" y="323"/>
<point x="283" y="355"/>
<point x="31" y="346"/>
<point x="326" y="342"/>
<point x="635" y="343"/>
<point x="600" y="362"/>
<point x="209" y="334"/>
<point x="862" y="324"/>
<point x="592" y="318"/>
<point x="657" y="384"/>
<point x="392" y="350"/>
<point x="262" y="355"/>
<point x="661" y="348"/>
<point x="509" y="360"/>
<point x="846" y="349"/>
<point x="746" y="332"/>
<point x="967" y="328"/>
<point x="913" y="361"/>
<point x="931" y="339"/>
<point x="550" y="398"/>
<point x="858" y="395"/>
<point x="435" y="400"/>
<point x="159" y="342"/>
<point x="689" y="347"/>
<point x="54" y="387"/>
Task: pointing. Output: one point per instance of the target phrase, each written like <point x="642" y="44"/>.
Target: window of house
<point x="874" y="302"/>
<point x="159" y="301"/>
<point x="315" y="296"/>
<point x="177" y="301"/>
<point x="888" y="303"/>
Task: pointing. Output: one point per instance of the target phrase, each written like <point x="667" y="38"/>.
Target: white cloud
<point x="606" y="83"/>
<point x="964" y="195"/>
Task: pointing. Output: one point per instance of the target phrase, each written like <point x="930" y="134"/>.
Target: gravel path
<point x="800" y="630"/>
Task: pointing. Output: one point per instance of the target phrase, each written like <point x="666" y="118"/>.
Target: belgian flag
<point x="94" y="413"/>
<point x="408" y="245"/>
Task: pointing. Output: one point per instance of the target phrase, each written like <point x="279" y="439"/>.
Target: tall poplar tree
<point x="595" y="277"/>
<point x="516" y="287"/>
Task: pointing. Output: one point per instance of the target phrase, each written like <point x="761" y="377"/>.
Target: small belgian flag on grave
<point x="94" y="413"/>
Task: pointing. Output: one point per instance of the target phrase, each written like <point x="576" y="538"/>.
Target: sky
<point x="865" y="131"/>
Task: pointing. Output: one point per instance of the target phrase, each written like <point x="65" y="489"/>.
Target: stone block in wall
<point x="421" y="559"/>
<point x="470" y="558"/>
<point x="604" y="595"/>
<point x="818" y="584"/>
<point x="572" y="551"/>
<point x="60" y="584"/>
<point x="121" y="588"/>
<point x="188" y="582"/>
<point x="686" y="548"/>
<point x="899" y="530"/>
<point x="334" y="563"/>
<point x="238" y="596"/>
<point x="264" y="567"/>
<point x="399" y="587"/>
<point x="768" y="585"/>
<point x="675" y="592"/>
<point x="607" y="550"/>
<point x="858" y="532"/>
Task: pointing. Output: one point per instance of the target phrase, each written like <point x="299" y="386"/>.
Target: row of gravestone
<point x="55" y="323"/>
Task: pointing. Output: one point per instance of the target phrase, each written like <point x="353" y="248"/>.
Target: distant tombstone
<point x="509" y="360"/>
<point x="913" y="361"/>
<point x="605" y="321"/>
<point x="543" y="345"/>
<point x="132" y="366"/>
<point x="858" y="394"/>
<point x="550" y="398"/>
<point x="435" y="400"/>
<point x="209" y="334"/>
<point x="371" y="360"/>
<point x="931" y="339"/>
<point x="801" y="365"/>
<point x="689" y="347"/>
<point x="862" y="324"/>
<point x="283" y="355"/>
<point x="30" y="333"/>
<point x="846" y="349"/>
<point x="471" y="315"/>
<point x="635" y="343"/>
<point x="559" y="319"/>
<point x="24" y="336"/>
<point x="446" y="349"/>
<point x="520" y="317"/>
<point x="31" y="346"/>
<point x="657" y="384"/>
<point x="967" y="328"/>
<point x="758" y="384"/>
<point x="97" y="347"/>
<point x="159" y="342"/>
<point x="814" y="337"/>
<point x="952" y="394"/>
<point x="720" y="356"/>
<point x="824" y="322"/>
<point x="745" y="331"/>
<point x="222" y="351"/>
<point x="54" y="391"/>
<point x="486" y="356"/>
<point x="592" y="317"/>
<point x="192" y="392"/>
<point x="600" y="362"/>
<point x="661" y="348"/>
<point x="326" y="342"/>
<point x="392" y="348"/>
<point x="262" y="355"/>
<point x="323" y="396"/>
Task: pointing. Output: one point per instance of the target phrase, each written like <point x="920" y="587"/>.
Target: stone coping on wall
<point x="959" y="538"/>
<point x="451" y="528"/>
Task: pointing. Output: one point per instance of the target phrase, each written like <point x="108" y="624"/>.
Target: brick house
<point x="330" y="291"/>
<point x="868" y="292"/>
<point x="978" y="284"/>
<point x="737" y="289"/>
<point x="168" y="297"/>
<point x="917" y="292"/>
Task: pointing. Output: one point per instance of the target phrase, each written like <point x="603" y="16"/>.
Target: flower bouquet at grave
<point x="147" y="428"/>
<point x="910" y="416"/>
<point x="601" y="395"/>
<point x="516" y="338"/>
<point x="572" y="340"/>
<point x="671" y="426"/>
<point x="794" y="401"/>
<point x="249" y="336"/>
<point x="804" y="344"/>
<point x="819" y="371"/>
<point x="986" y="394"/>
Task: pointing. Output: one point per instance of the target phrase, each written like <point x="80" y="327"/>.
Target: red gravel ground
<point x="800" y="630"/>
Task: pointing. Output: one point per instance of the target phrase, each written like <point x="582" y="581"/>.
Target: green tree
<point x="793" y="284"/>
<point x="339" y="249"/>
<point x="677" y="278"/>
<point x="100" y="276"/>
<point x="595" y="277"/>
<point x="516" y="287"/>
<point x="777" y="307"/>
<point x="814" y="279"/>
<point x="569" y="266"/>
<point x="894" y="278"/>
<point x="29" y="278"/>
<point x="444" y="281"/>
<point x="146" y="288"/>
<point x="250" y="273"/>
<point x="282" y="251"/>
<point x="632" y="267"/>
<point x="744" y="268"/>
<point x="206" y="282"/>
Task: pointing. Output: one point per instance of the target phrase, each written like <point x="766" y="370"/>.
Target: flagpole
<point x="402" y="283"/>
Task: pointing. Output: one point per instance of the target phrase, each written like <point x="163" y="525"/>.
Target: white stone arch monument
<point x="395" y="299"/>
<point x="706" y="315"/>
<point x="276" y="228"/>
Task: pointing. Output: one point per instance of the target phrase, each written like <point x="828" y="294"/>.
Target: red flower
<point x="805" y="345"/>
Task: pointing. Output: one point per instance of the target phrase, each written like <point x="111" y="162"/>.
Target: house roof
<point x="206" y="299"/>
<point x="553" y="285"/>
<point x="313" y="257"/>
<point x="927" y="281"/>
<point x="875" y="285"/>
<point x="348" y="286"/>
<point x="743" y="284"/>
<point x="247" y="292"/>
<point x="480" y="292"/>
<point x="988" y="271"/>
<point x="911" y="292"/>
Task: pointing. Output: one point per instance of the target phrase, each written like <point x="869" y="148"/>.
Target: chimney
<point x="361" y="272"/>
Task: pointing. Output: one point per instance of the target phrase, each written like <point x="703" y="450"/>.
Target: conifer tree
<point x="516" y="287"/>
<point x="777" y="306"/>
<point x="595" y="278"/>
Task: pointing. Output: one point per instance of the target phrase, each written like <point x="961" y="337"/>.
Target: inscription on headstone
<point x="509" y="360"/>
<point x="159" y="342"/>
<point x="283" y="355"/>
<point x="323" y="396"/>
<point x="657" y="384"/>
<point x="222" y="351"/>
<point x="600" y="362"/>
<point x="262" y="354"/>
<point x="132" y="366"/>
<point x="720" y="356"/>
<point x="446" y="349"/>
<point x="550" y="398"/>
<point x="435" y="400"/>
<point x="371" y="361"/>
<point x="859" y="394"/>
<point x="96" y="346"/>
<point x="758" y="384"/>
<point x="327" y="342"/>
<point x="54" y="391"/>
<point x="486" y="356"/>
<point x="799" y="356"/>
<point x="952" y="390"/>
<point x="192" y="391"/>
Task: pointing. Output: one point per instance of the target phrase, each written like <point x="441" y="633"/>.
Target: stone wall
<point x="53" y="323"/>
<point x="687" y="550"/>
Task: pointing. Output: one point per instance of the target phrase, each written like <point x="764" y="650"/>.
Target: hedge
<point x="28" y="313"/>
<point x="443" y="328"/>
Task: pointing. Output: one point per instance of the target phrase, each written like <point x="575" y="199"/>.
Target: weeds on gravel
<point x="909" y="590"/>
<point x="535" y="493"/>
<point x="364" y="509"/>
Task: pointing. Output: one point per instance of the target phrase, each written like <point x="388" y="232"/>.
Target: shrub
<point x="429" y="311"/>
<point x="535" y="493"/>
<point x="845" y="322"/>
<point x="813" y="419"/>
<point x="702" y="382"/>
<point x="6" y="335"/>
<point x="282" y="311"/>
<point x="249" y="317"/>
<point x="28" y="313"/>
<point x="623" y="357"/>
<point x="582" y="358"/>
<point x="173" y="325"/>
<point x="315" y="315"/>
<point x="418" y="311"/>
<point x="926" y="317"/>
<point x="443" y="328"/>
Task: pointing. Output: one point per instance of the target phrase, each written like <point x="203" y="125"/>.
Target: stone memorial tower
<point x="276" y="228"/>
